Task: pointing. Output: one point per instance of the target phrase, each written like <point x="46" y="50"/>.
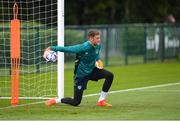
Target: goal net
<point x="41" y="24"/>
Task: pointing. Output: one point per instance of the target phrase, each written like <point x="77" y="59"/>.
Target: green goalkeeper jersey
<point x="88" y="53"/>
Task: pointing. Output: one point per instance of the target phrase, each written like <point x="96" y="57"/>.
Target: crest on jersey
<point x="79" y="87"/>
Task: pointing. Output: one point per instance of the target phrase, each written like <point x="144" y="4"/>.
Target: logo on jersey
<point x="96" y="51"/>
<point x="79" y="87"/>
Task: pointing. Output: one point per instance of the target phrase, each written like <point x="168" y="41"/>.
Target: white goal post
<point x="42" y="25"/>
<point x="61" y="43"/>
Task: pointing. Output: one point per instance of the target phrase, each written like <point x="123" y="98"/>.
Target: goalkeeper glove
<point x="99" y="64"/>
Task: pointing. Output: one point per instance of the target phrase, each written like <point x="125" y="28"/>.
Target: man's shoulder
<point x="87" y="44"/>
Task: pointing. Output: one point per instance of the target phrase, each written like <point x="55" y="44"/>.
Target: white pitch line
<point x="22" y="105"/>
<point x="165" y="91"/>
<point x="135" y="89"/>
<point x="96" y="94"/>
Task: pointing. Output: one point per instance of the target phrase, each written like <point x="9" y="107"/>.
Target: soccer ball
<point x="50" y="56"/>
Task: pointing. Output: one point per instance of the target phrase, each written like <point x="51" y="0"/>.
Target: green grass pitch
<point x="158" y="103"/>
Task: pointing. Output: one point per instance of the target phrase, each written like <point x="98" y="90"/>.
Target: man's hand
<point x="48" y="49"/>
<point x="99" y="64"/>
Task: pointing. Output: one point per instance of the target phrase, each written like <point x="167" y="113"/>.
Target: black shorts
<point x="80" y="83"/>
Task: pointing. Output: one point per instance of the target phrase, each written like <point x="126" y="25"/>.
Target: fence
<point x="133" y="43"/>
<point x="121" y="44"/>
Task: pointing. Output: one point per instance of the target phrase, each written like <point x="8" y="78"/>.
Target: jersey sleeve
<point x="72" y="49"/>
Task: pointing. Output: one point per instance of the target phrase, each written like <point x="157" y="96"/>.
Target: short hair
<point x="93" y="33"/>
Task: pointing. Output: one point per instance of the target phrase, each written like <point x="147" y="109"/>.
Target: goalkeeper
<point x="88" y="67"/>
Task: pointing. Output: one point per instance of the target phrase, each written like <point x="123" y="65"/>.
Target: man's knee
<point x="76" y="103"/>
<point x="110" y="76"/>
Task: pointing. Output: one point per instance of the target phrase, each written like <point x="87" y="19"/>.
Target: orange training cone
<point x="15" y="55"/>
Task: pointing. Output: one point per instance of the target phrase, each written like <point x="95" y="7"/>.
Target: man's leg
<point x="108" y="76"/>
<point x="103" y="74"/>
<point x="73" y="101"/>
<point x="79" y="86"/>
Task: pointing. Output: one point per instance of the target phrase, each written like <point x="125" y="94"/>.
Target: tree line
<point x="86" y="12"/>
<point x="120" y="11"/>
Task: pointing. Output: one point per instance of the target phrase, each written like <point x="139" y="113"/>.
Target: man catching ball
<point x="88" y="67"/>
